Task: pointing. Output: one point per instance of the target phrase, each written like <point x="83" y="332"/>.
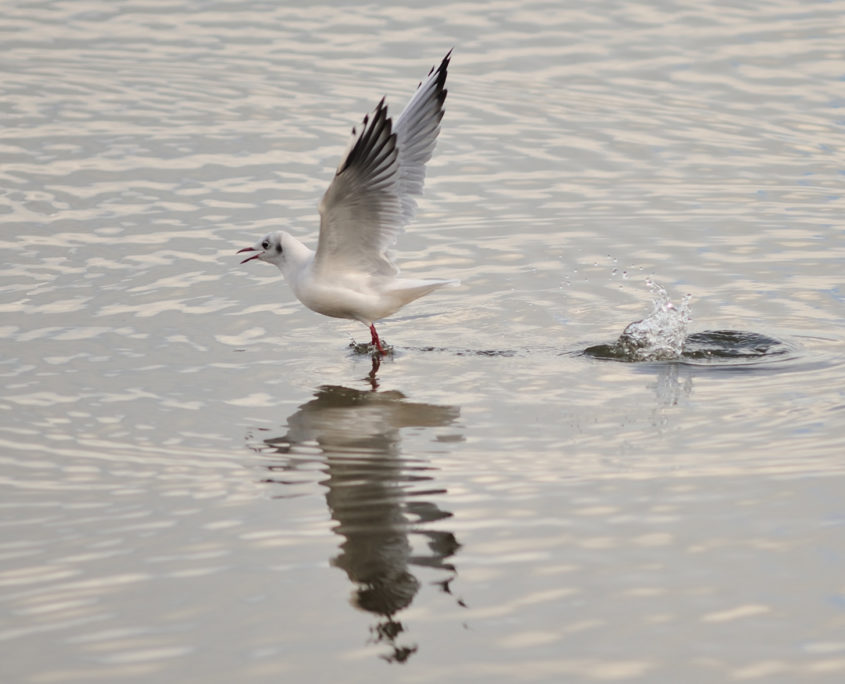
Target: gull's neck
<point x="297" y="259"/>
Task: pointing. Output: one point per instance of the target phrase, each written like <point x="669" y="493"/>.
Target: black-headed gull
<point x="369" y="201"/>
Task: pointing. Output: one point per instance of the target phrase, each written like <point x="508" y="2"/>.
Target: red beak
<point x="248" y="249"/>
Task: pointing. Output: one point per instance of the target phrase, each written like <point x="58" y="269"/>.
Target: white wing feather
<point x="372" y="196"/>
<point x="417" y="128"/>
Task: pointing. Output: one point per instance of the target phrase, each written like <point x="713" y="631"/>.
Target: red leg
<point x="376" y="341"/>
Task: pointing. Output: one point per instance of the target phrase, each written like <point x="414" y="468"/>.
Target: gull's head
<point x="270" y="248"/>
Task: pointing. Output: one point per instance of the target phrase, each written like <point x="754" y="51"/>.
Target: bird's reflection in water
<point x="379" y="498"/>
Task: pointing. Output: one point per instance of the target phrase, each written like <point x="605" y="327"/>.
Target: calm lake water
<point x="201" y="481"/>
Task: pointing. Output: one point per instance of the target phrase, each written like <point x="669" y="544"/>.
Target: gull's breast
<point x="354" y="296"/>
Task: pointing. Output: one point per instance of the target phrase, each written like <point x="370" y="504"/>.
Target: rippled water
<point x="201" y="480"/>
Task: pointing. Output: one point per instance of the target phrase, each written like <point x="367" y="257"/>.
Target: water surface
<point x="201" y="480"/>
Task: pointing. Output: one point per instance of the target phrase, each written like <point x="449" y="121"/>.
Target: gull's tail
<point x="409" y="290"/>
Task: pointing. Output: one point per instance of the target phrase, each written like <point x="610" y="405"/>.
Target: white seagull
<point x="368" y="203"/>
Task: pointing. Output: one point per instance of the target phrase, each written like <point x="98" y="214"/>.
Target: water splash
<point x="661" y="334"/>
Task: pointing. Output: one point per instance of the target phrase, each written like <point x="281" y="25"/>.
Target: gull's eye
<point x="265" y="244"/>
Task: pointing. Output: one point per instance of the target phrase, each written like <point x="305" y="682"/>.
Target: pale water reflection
<point x="378" y="496"/>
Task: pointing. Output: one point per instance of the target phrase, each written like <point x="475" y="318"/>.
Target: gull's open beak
<point x="248" y="249"/>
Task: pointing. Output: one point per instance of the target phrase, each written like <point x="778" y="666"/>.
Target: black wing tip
<point x="373" y="126"/>
<point x="441" y="73"/>
<point x="381" y="119"/>
<point x="444" y="63"/>
<point x="442" y="67"/>
<point x="379" y="112"/>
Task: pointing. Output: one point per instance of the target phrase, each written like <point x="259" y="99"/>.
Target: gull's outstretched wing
<point x="416" y="129"/>
<point x="371" y="197"/>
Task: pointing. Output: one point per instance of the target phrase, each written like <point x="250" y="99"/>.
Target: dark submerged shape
<point x="716" y="346"/>
<point x="731" y="345"/>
